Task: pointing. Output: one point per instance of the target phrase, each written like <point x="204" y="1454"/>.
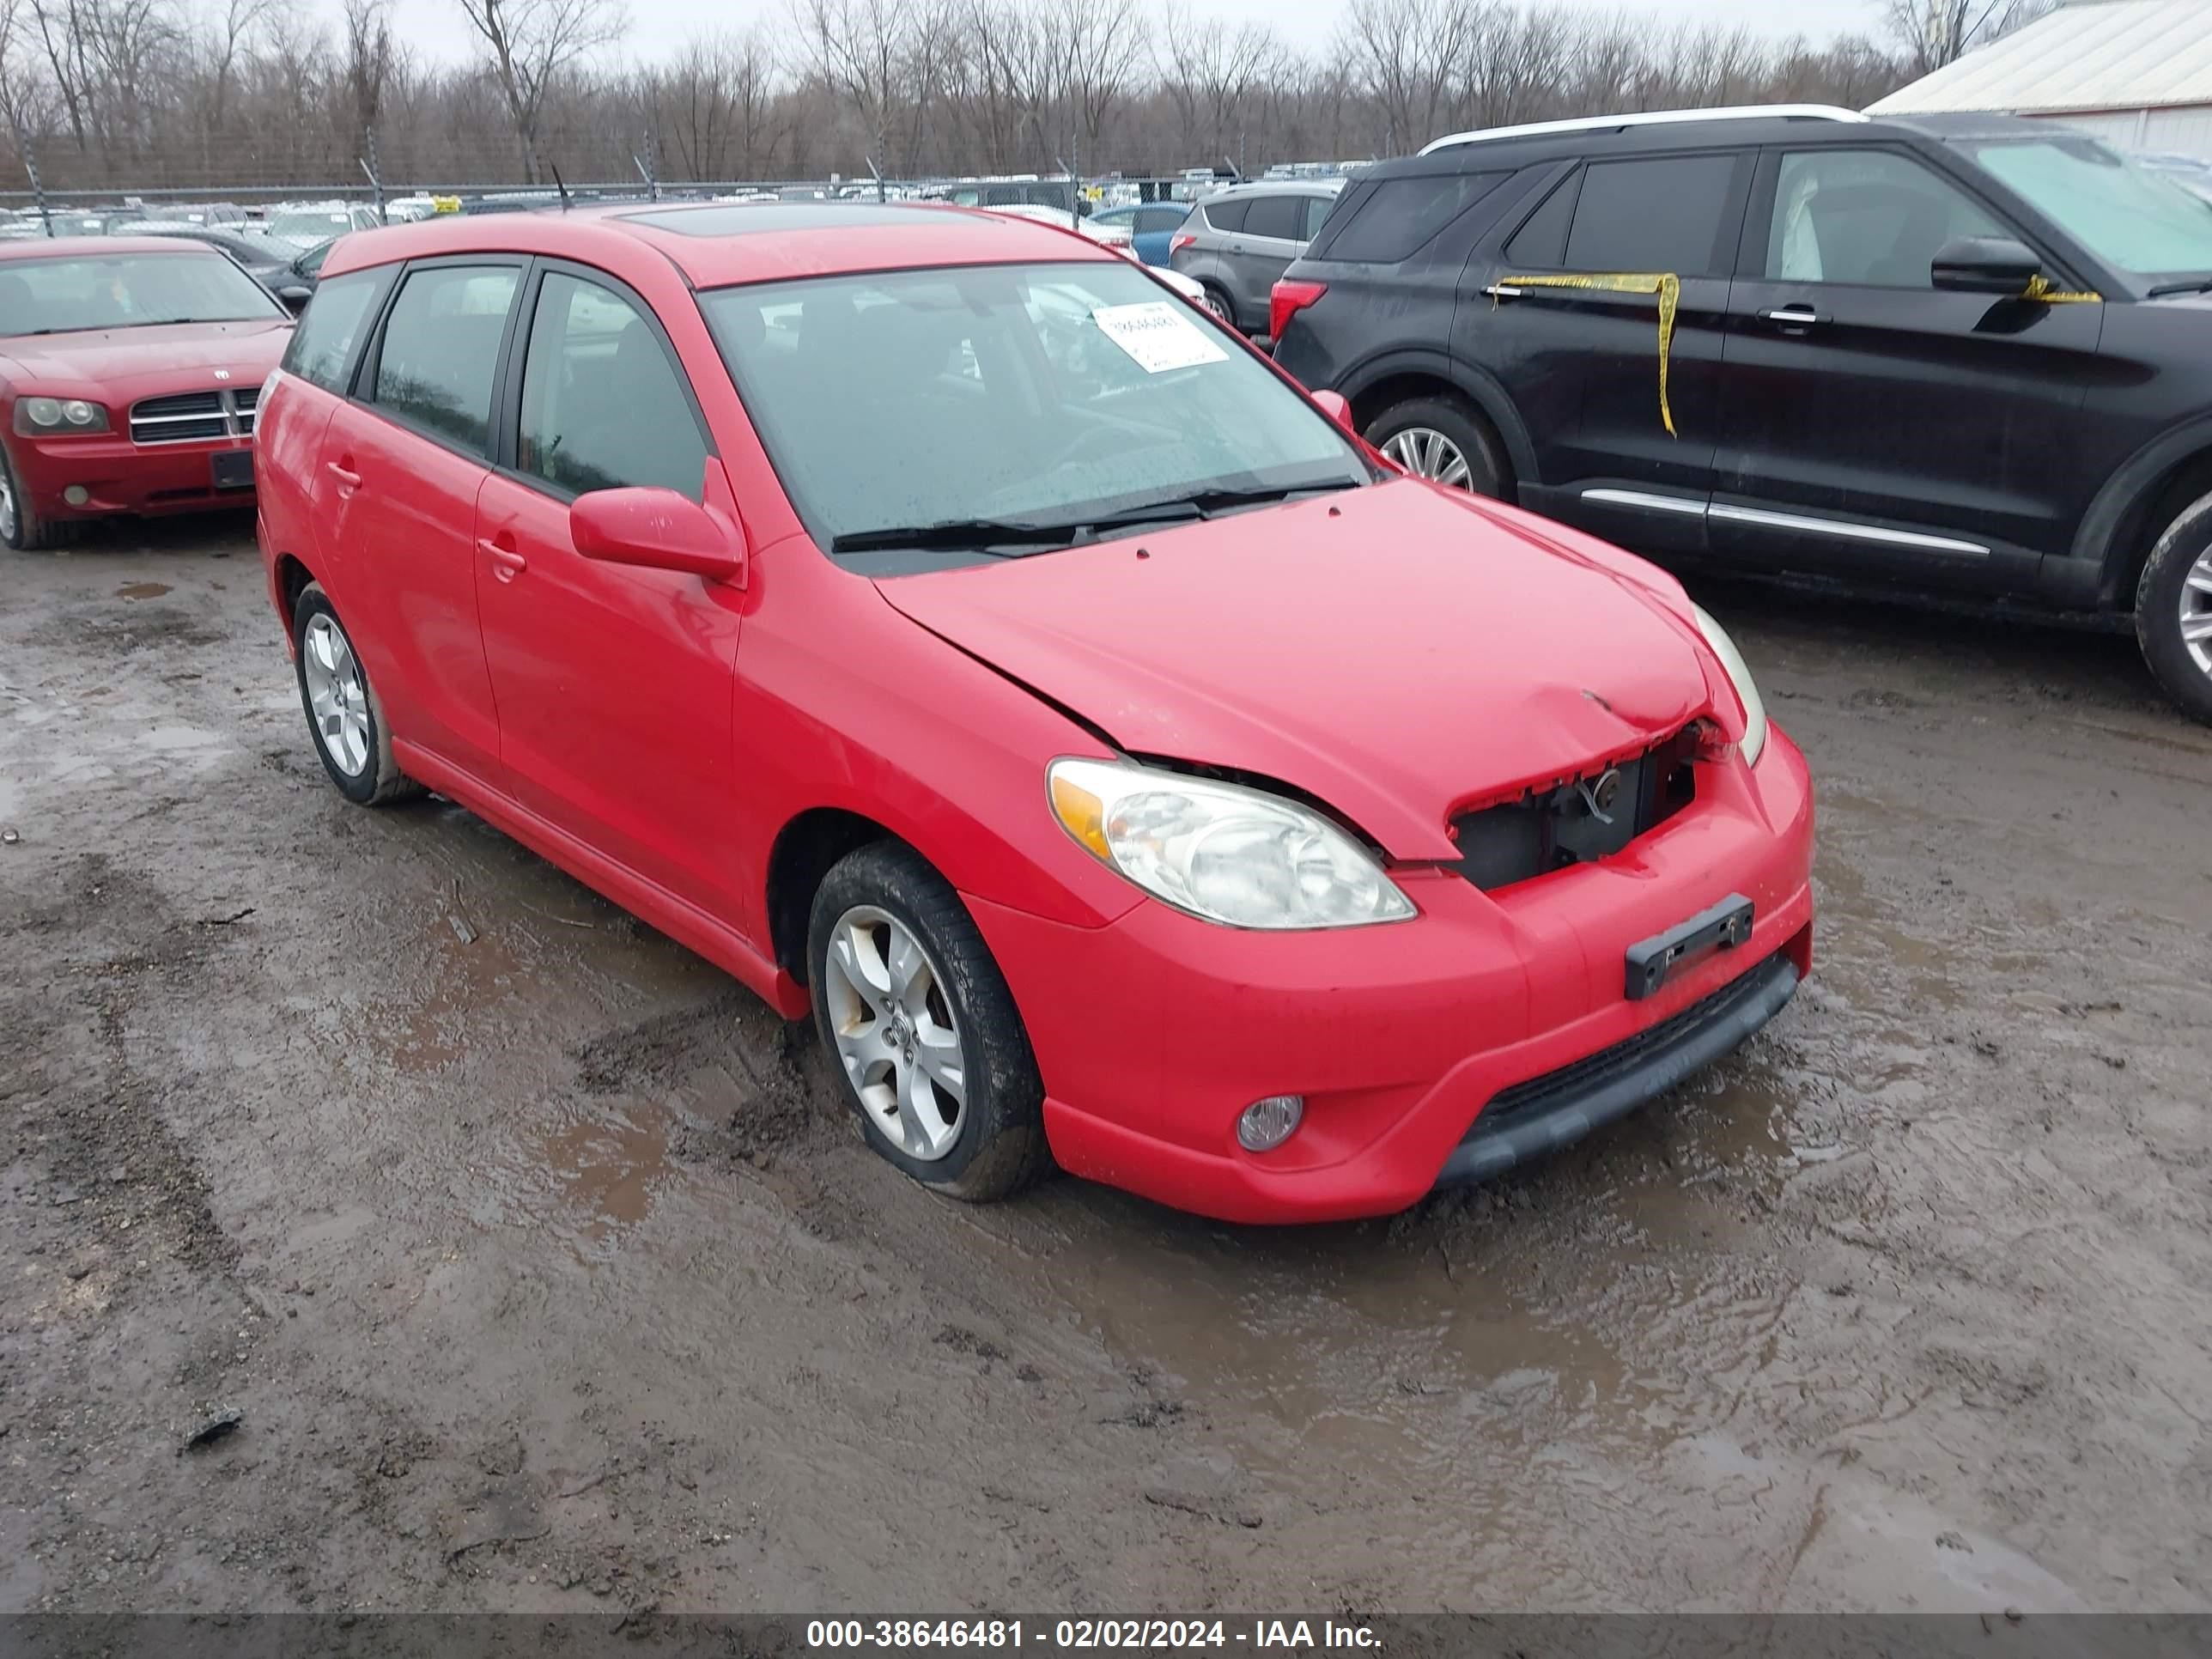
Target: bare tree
<point x="1935" y="32"/>
<point x="1408" y="54"/>
<point x="532" y="42"/>
<point x="858" y="48"/>
<point x="367" y="60"/>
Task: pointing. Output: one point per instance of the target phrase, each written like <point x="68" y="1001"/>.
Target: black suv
<point x="1964" y="352"/>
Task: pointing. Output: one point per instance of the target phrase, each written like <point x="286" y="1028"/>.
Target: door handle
<point x="1791" y="317"/>
<point x="347" y="478"/>
<point x="1503" y="291"/>
<point x="506" y="563"/>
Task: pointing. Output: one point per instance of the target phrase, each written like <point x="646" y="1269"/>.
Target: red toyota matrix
<point x="129" y="367"/>
<point x="929" y="618"/>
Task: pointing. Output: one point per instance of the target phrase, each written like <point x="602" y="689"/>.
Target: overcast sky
<point x="435" y="26"/>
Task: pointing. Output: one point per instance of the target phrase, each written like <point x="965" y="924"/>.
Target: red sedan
<point x="129" y="367"/>
<point x="925" y="617"/>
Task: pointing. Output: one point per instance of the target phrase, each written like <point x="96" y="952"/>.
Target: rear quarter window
<point x="1228" y="215"/>
<point x="323" y="344"/>
<point x="1282" y="217"/>
<point x="1401" y="216"/>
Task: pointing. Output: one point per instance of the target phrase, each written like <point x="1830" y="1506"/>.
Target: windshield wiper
<point x="2188" y="285"/>
<point x="950" y="536"/>
<point x="982" y="535"/>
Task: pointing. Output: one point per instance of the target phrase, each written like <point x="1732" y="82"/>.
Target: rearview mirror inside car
<point x="1983" y="264"/>
<point x="656" y="530"/>
<point x="1334" y="406"/>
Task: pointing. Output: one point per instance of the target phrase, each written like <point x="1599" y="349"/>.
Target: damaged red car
<point x="928" y="618"/>
<point x="130" y="368"/>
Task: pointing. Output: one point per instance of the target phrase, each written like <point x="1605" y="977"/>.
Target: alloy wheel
<point x="336" y="693"/>
<point x="7" y="506"/>
<point x="1427" y="453"/>
<point x="895" y="1031"/>
<point x="2196" y="611"/>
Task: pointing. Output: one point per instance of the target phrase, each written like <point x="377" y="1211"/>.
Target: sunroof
<point x="745" y="218"/>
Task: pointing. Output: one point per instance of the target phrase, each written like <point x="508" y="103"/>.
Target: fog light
<point x="76" y="495"/>
<point x="1267" y="1124"/>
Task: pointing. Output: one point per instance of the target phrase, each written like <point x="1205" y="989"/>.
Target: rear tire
<point x="907" y="997"/>
<point x="1442" y="439"/>
<point x="2173" y="610"/>
<point x="345" y="717"/>
<point x="1215" y="301"/>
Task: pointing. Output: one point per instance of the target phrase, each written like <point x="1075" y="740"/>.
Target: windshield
<point x="2126" y="213"/>
<point x="1040" y="394"/>
<point x="127" y="290"/>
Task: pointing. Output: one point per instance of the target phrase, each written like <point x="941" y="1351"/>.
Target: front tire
<point x="2173" y="610"/>
<point x="1442" y="440"/>
<point x="918" y="1023"/>
<point x="20" y="528"/>
<point x="344" y="715"/>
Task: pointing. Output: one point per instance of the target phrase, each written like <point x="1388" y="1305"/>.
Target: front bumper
<point x="1153" y="1033"/>
<point x="118" y="476"/>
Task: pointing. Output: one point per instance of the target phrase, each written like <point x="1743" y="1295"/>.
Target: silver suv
<point x="1237" y="242"/>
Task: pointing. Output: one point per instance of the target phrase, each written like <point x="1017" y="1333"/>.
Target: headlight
<point x="38" y="417"/>
<point x="1739" y="673"/>
<point x="1226" y="854"/>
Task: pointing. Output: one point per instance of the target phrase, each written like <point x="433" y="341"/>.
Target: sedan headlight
<point x="1739" y="673"/>
<point x="1226" y="854"/>
<point x="41" y="417"/>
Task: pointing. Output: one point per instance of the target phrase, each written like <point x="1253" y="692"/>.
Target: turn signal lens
<point x="1083" y="813"/>
<point x="1267" y="1124"/>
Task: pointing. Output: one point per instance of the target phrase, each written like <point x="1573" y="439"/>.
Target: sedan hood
<point x="118" y="366"/>
<point x="1396" y="651"/>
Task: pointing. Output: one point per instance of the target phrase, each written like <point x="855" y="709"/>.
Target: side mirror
<point x="295" y="297"/>
<point x="1332" y="405"/>
<point x="656" y="530"/>
<point x="1983" y="264"/>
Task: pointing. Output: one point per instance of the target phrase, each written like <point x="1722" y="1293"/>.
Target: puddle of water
<point x="607" y="1170"/>
<point x="142" y="590"/>
<point x="467" y="981"/>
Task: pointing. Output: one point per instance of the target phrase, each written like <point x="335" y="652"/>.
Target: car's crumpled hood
<point x="1395" y="652"/>
<point x="120" y="365"/>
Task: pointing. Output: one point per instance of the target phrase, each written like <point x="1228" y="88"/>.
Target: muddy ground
<point x="546" y="1275"/>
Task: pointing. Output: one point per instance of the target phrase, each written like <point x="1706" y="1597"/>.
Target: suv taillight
<point x="1179" y="241"/>
<point x="1285" y="299"/>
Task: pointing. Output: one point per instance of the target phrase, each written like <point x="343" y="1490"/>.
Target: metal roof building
<point x="2136" y="73"/>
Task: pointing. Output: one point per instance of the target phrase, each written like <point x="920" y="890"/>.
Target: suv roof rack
<point x="1650" y="118"/>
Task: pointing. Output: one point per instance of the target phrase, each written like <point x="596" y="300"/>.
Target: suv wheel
<point x="1441" y="441"/>
<point x="1218" y="302"/>
<point x="918" y="1023"/>
<point x="2173" y="610"/>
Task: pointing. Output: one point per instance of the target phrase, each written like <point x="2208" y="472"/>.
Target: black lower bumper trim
<point x="1548" y="1112"/>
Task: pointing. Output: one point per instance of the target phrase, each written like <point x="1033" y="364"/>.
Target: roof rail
<point x="1650" y="118"/>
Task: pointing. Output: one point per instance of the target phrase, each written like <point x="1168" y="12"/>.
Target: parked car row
<point x="1961" y="353"/>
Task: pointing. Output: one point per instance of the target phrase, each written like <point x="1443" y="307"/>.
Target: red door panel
<point x="614" y="687"/>
<point x="399" y="512"/>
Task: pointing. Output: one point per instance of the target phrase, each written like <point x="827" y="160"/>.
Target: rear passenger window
<point x="1662" y="215"/>
<point x="603" y="408"/>
<point x="1280" y="216"/>
<point x="1318" y="208"/>
<point x="442" y="349"/>
<point x="1400" y="215"/>
<point x="322" y="346"/>
<point x="1228" y="215"/>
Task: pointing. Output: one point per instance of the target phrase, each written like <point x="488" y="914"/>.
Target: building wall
<point x="2186" y="130"/>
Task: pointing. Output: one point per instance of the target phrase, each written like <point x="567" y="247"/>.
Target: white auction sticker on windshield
<point x="1158" y="335"/>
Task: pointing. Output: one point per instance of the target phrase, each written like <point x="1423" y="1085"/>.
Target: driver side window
<point x="1868" y="217"/>
<point x="603" y="406"/>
